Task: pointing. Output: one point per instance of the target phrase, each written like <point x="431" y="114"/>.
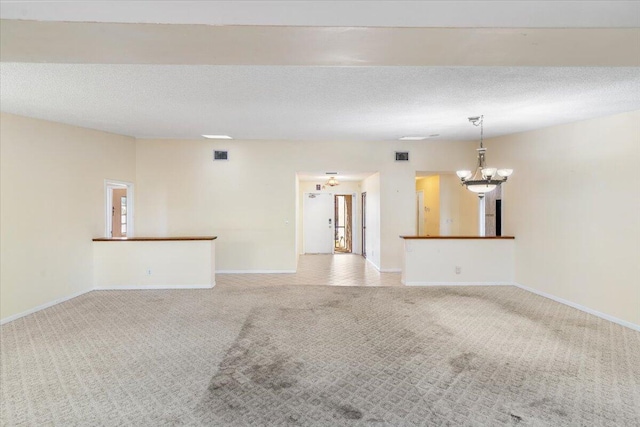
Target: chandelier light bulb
<point x="488" y="172"/>
<point x="463" y="174"/>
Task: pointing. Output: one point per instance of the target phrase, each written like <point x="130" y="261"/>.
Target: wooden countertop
<point x="152" y="239"/>
<point x="456" y="237"/>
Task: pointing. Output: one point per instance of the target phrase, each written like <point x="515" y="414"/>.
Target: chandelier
<point x="484" y="179"/>
<point x="332" y="182"/>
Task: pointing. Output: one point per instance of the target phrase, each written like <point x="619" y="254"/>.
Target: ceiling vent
<point x="220" y="155"/>
<point x="402" y="156"/>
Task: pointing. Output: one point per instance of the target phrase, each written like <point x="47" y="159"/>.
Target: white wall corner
<point x="373" y="264"/>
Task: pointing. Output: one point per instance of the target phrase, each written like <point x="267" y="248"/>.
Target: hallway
<point x="329" y="270"/>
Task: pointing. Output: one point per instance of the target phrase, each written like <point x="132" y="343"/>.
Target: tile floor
<point x="330" y="270"/>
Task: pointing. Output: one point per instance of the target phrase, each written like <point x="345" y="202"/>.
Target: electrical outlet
<point x="148" y="272"/>
<point x="458" y="269"/>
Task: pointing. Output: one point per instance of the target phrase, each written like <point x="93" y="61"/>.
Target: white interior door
<point x="317" y="214"/>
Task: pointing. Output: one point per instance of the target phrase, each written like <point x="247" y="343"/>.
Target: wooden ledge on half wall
<point x="457" y="237"/>
<point x="151" y="239"/>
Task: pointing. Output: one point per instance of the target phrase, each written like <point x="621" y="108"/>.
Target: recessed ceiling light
<point x="412" y="138"/>
<point x="217" y="136"/>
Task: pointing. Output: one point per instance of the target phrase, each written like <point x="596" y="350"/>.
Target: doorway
<point x="118" y="209"/>
<point x="364" y="224"/>
<point x="343" y="220"/>
<point x="318" y="211"/>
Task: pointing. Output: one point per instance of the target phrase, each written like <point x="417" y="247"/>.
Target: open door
<point x="343" y="234"/>
<point x="118" y="209"/>
<point x="119" y="213"/>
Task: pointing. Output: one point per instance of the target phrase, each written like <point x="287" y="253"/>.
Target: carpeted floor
<point x="318" y="356"/>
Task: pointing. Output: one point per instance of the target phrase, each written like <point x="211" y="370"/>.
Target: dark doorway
<point x="498" y="217"/>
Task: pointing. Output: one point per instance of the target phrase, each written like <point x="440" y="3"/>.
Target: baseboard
<point x="457" y="283"/>
<point x="373" y="264"/>
<point x="390" y="270"/>
<point x="255" y="271"/>
<point x="42" y="307"/>
<point x="580" y="307"/>
<point x="153" y="287"/>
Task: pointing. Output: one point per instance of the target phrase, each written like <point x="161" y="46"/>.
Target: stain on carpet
<point x="462" y="362"/>
<point x="516" y="418"/>
<point x="318" y="359"/>
<point x="349" y="412"/>
<point x="287" y="362"/>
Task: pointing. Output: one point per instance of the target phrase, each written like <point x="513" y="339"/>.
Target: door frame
<point x="109" y="185"/>
<point x="363" y="223"/>
<point x="420" y="213"/>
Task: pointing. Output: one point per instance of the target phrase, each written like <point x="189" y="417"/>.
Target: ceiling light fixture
<point x="412" y="138"/>
<point x="332" y="182"/>
<point x="217" y="136"/>
<point x="484" y="179"/>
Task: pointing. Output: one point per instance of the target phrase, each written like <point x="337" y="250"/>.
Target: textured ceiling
<point x="313" y="103"/>
<point x="523" y="14"/>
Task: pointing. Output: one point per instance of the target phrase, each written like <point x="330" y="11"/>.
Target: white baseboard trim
<point x="390" y="270"/>
<point x="153" y="287"/>
<point x="580" y="307"/>
<point x="42" y="307"/>
<point x="255" y="271"/>
<point x="373" y="264"/>
<point x="457" y="283"/>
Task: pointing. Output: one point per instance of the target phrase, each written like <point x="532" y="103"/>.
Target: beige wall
<point x="52" y="204"/>
<point x="250" y="200"/>
<point x="373" y="235"/>
<point x="345" y="187"/>
<point x="458" y="261"/>
<point x="452" y="210"/>
<point x="430" y="186"/>
<point x="154" y="264"/>
<point x="458" y="208"/>
<point x="573" y="204"/>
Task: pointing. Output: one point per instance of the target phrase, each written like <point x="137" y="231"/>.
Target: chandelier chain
<point x="481" y="130"/>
